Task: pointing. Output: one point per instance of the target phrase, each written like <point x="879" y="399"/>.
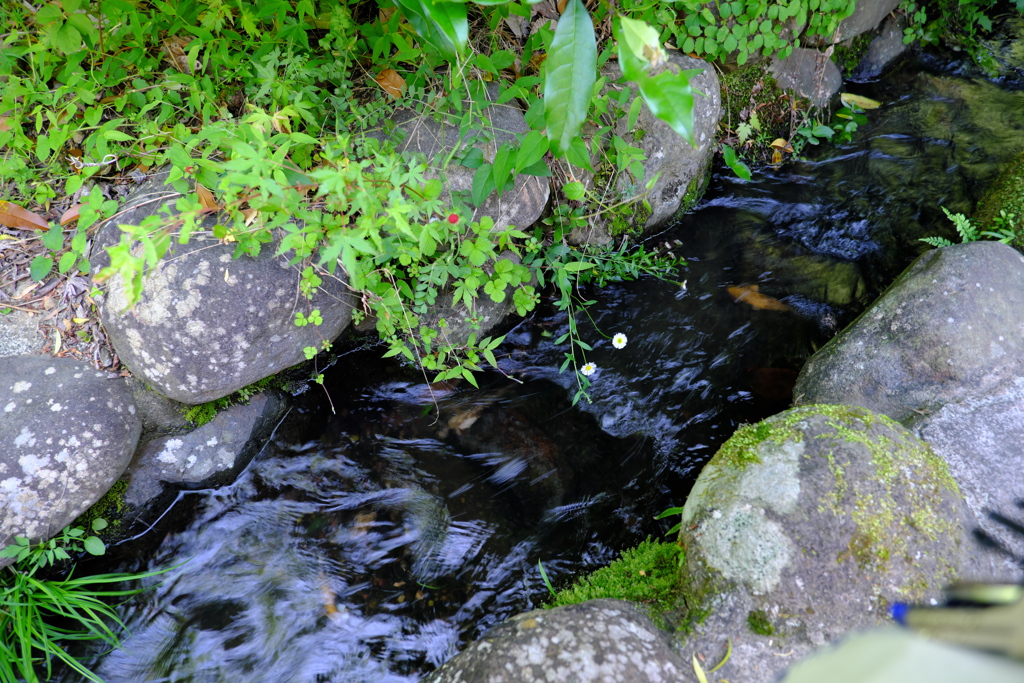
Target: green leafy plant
<point x="38" y="616"/>
<point x="1004" y="229"/>
<point x="960" y="22"/>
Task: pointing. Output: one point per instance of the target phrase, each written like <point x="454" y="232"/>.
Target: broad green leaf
<point x="642" y="41"/>
<point x="577" y="266"/>
<point x="53" y="239"/>
<point x="634" y="113"/>
<point x="579" y="155"/>
<point x="670" y="98"/>
<point x="67" y="262"/>
<point x="573" y="190"/>
<point x="532" y="149"/>
<point x="483" y="184"/>
<point x="442" y="24"/>
<point x="570" y="74"/>
<point x="94" y="546"/>
<point x="502" y="167"/>
<point x="40" y="267"/>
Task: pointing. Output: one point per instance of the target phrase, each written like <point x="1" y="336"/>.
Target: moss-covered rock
<point x="1006" y="194"/>
<point x="815" y="521"/>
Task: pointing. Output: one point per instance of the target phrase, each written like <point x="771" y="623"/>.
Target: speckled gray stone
<point x="599" y="640"/>
<point x="19" y="333"/>
<point x="209" y="324"/>
<point x="677" y="169"/>
<point x="210" y="455"/>
<point x="981" y="438"/>
<point x="67" y="432"/>
<point x="521" y="206"/>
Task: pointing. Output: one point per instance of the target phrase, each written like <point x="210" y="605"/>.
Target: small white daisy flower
<point x="619" y="340"/>
<point x="588" y="369"/>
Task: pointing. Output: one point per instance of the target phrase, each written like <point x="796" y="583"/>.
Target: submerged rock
<point x="808" y="525"/>
<point x="950" y="327"/>
<point x="596" y="641"/>
<point x="67" y="433"/>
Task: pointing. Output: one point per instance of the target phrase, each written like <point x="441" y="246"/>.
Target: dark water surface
<point x="372" y="544"/>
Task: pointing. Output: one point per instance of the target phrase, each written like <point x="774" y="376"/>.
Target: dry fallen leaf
<point x="206" y="199"/>
<point x="4" y="126"/>
<point x="71" y="215"/>
<point x="13" y="216"/>
<point x="250" y="216"/>
<point x="391" y="82"/>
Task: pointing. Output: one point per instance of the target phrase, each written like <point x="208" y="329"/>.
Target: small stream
<point x="371" y="544"/>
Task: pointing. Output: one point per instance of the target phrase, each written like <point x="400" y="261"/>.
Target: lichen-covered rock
<point x="809" y="525"/>
<point x="211" y="455"/>
<point x="208" y="324"/>
<point x="950" y="327"/>
<point x="67" y="432"/>
<point x="809" y="73"/>
<point x="596" y="641"/>
<point x="681" y="168"/>
<point x="1006" y="194"/>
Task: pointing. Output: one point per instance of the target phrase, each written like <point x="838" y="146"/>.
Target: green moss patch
<point x="648" y="574"/>
<point x="204" y="412"/>
<point x="1005" y="194"/>
<point x="758" y="622"/>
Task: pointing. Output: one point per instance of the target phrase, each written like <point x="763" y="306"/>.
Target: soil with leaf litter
<point x="61" y="304"/>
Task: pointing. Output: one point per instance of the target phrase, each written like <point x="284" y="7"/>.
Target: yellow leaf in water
<point x="748" y="294"/>
<point x="851" y="100"/>
<point x="391" y="82"/>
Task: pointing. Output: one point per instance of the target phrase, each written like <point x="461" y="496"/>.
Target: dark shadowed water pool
<point x="370" y="544"/>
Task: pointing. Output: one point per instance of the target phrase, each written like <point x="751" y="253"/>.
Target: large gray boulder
<point x="980" y="437"/>
<point x="67" y="432"/>
<point x="681" y="168"/>
<point x="949" y="328"/>
<point x="209" y="324"/>
<point x="807" y="526"/>
<point x="597" y="641"/>
<point x="420" y="133"/>
<point x="809" y="73"/>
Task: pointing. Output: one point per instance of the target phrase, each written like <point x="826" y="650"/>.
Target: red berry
<point x="453" y="218"/>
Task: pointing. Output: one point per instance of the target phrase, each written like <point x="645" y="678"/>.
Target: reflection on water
<point x="372" y="544"/>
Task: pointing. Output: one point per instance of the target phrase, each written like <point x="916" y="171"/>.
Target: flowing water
<point x="372" y="543"/>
